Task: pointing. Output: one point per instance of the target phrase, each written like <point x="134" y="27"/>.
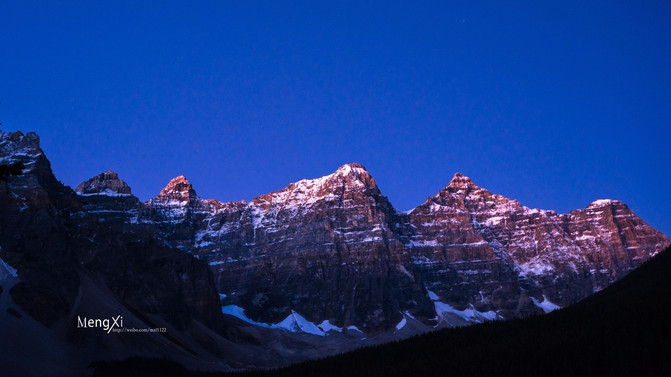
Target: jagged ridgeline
<point x="321" y="266"/>
<point x="332" y="253"/>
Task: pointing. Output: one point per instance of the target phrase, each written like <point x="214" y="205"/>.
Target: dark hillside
<point x="623" y="330"/>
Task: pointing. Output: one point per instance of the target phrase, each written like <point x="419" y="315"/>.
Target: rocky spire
<point x="20" y="147"/>
<point x="107" y="183"/>
<point x="460" y="181"/>
<point x="354" y="173"/>
<point x="19" y="143"/>
<point x="178" y="188"/>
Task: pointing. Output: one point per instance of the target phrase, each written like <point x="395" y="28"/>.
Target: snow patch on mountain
<point x="535" y="267"/>
<point x="106" y="192"/>
<point x="601" y="203"/>
<point x="294" y="322"/>
<point x="401" y="324"/>
<point x="443" y="311"/>
<point x="6" y="271"/>
<point x="354" y="328"/>
<point x="546" y="304"/>
<point x="326" y="326"/>
<point x="297" y="323"/>
<point x="429" y="243"/>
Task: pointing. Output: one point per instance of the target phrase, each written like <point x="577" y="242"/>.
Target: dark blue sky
<point x="555" y="105"/>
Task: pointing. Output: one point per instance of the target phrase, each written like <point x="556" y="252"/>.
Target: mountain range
<point x="319" y="267"/>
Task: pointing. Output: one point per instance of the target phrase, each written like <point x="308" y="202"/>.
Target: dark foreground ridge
<point x="620" y="331"/>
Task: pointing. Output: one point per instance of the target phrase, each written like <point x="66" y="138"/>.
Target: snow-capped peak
<point x="306" y="191"/>
<point x="356" y="173"/>
<point x="354" y="168"/>
<point x="602" y="203"/>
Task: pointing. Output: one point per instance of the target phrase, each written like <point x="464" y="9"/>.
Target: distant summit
<point x="107" y="183"/>
<point x="460" y="181"/>
<point x="178" y="186"/>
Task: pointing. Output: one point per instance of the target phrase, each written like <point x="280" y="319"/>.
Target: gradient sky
<point x="554" y="105"/>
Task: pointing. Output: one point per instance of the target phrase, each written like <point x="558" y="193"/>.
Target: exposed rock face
<point x="35" y="210"/>
<point x="471" y="237"/>
<point x="334" y="249"/>
<point x="61" y="245"/>
<point x="457" y="263"/>
<point x="108" y="200"/>
<point x="112" y="235"/>
<point x="321" y="247"/>
<point x="178" y="212"/>
<point x="107" y="183"/>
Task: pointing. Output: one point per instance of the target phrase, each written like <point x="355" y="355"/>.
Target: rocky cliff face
<point x="160" y="280"/>
<point x="334" y="249"/>
<point x="35" y="210"/>
<point x="104" y="184"/>
<point x="84" y="254"/>
<point x="324" y="248"/>
<point x="498" y="254"/>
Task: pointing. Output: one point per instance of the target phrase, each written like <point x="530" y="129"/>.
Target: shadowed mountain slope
<point x="620" y="331"/>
